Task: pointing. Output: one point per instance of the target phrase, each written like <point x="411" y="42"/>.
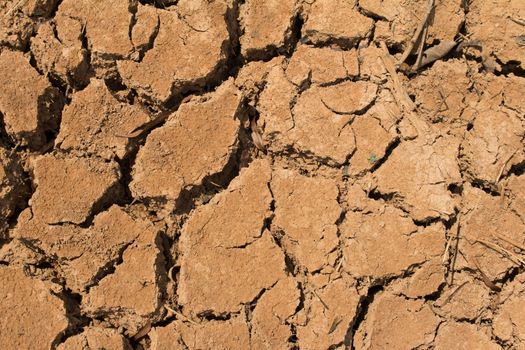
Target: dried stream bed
<point x="233" y="174"/>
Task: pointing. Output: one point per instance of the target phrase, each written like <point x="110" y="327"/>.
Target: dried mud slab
<point x="29" y="104"/>
<point x="96" y="338"/>
<point x="336" y="22"/>
<point x="306" y="212"/>
<point x="13" y="190"/>
<point x="85" y="254"/>
<point x="32" y="316"/>
<point x="19" y="19"/>
<point x="267" y="26"/>
<point x="444" y="97"/>
<point x="251" y="78"/>
<point x="499" y="32"/>
<point x="418" y="174"/>
<point x="321" y="65"/>
<point x="509" y="322"/>
<point x="104" y="123"/>
<point x="372" y="143"/>
<point x="189" y="147"/>
<point x="192" y="58"/>
<point x="271" y="318"/>
<point x="328" y="314"/>
<point x="130" y="297"/>
<point x="384" y="242"/>
<point x="304" y="126"/>
<point x="229" y="334"/>
<point x="58" y="51"/>
<point x="225" y="266"/>
<point x="71" y="189"/>
<point x="485" y="221"/>
<point x="400" y="18"/>
<point x="494" y="142"/>
<point x="394" y="322"/>
<point x="107" y="26"/>
<point x="319" y="131"/>
<point x="468" y="299"/>
<point x="452" y="335"/>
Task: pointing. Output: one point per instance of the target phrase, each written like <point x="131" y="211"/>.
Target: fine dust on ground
<point x="249" y="174"/>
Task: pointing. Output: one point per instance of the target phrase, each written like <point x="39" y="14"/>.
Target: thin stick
<point x="502" y="251"/>
<point x="17" y="5"/>
<point x="503" y="238"/>
<point x="401" y="96"/>
<point x="454" y="258"/>
<point x="447" y="247"/>
<point x="453" y="293"/>
<point x="417" y="65"/>
<point x="417" y="34"/>
<point x="321" y="300"/>
<point x="485" y="278"/>
<point x="517" y="20"/>
<point x="400" y="93"/>
<point x="500" y="174"/>
<point x="180" y="315"/>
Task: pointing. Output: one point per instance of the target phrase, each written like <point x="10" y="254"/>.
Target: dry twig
<point x="505" y="239"/>
<point x="500" y="174"/>
<point x="454" y="256"/>
<point x="420" y="49"/>
<point x="510" y="255"/>
<point x="417" y="34"/>
<point x="486" y="280"/>
<point x="14" y="8"/>
<point x="180" y="315"/>
<point x="519" y="21"/>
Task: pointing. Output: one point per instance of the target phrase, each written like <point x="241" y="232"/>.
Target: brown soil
<point x="232" y="174"/>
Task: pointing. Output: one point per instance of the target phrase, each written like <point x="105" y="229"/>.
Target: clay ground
<point x="249" y="174"/>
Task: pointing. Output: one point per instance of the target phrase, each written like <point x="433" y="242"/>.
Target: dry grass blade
<point x="510" y="255"/>
<point x="400" y="94"/>
<point x="143" y="331"/>
<point x="417" y="34"/>
<point x="447" y="248"/>
<point x="454" y="257"/>
<point x="257" y="135"/>
<point x="14" y="8"/>
<point x="435" y="52"/>
<point x="399" y="91"/>
<point x="420" y="49"/>
<point x="321" y="300"/>
<point x="138" y="131"/>
<point x="519" y="21"/>
<point x="179" y="314"/>
<point x="505" y="239"/>
<point x="170" y="274"/>
<point x="447" y="300"/>
<point x="486" y="280"/>
<point x="500" y="174"/>
<point x="335" y="323"/>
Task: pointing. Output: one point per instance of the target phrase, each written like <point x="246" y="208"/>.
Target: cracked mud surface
<point x="234" y="174"/>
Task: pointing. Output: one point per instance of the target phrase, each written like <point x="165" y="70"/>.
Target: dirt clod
<point x="39" y="321"/>
<point x="336" y="22"/>
<point x="169" y="153"/>
<point x="103" y="132"/>
<point x="70" y="189"/>
<point x="96" y="338"/>
<point x="29" y="104"/>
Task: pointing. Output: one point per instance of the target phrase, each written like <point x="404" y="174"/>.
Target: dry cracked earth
<point x="229" y="174"/>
